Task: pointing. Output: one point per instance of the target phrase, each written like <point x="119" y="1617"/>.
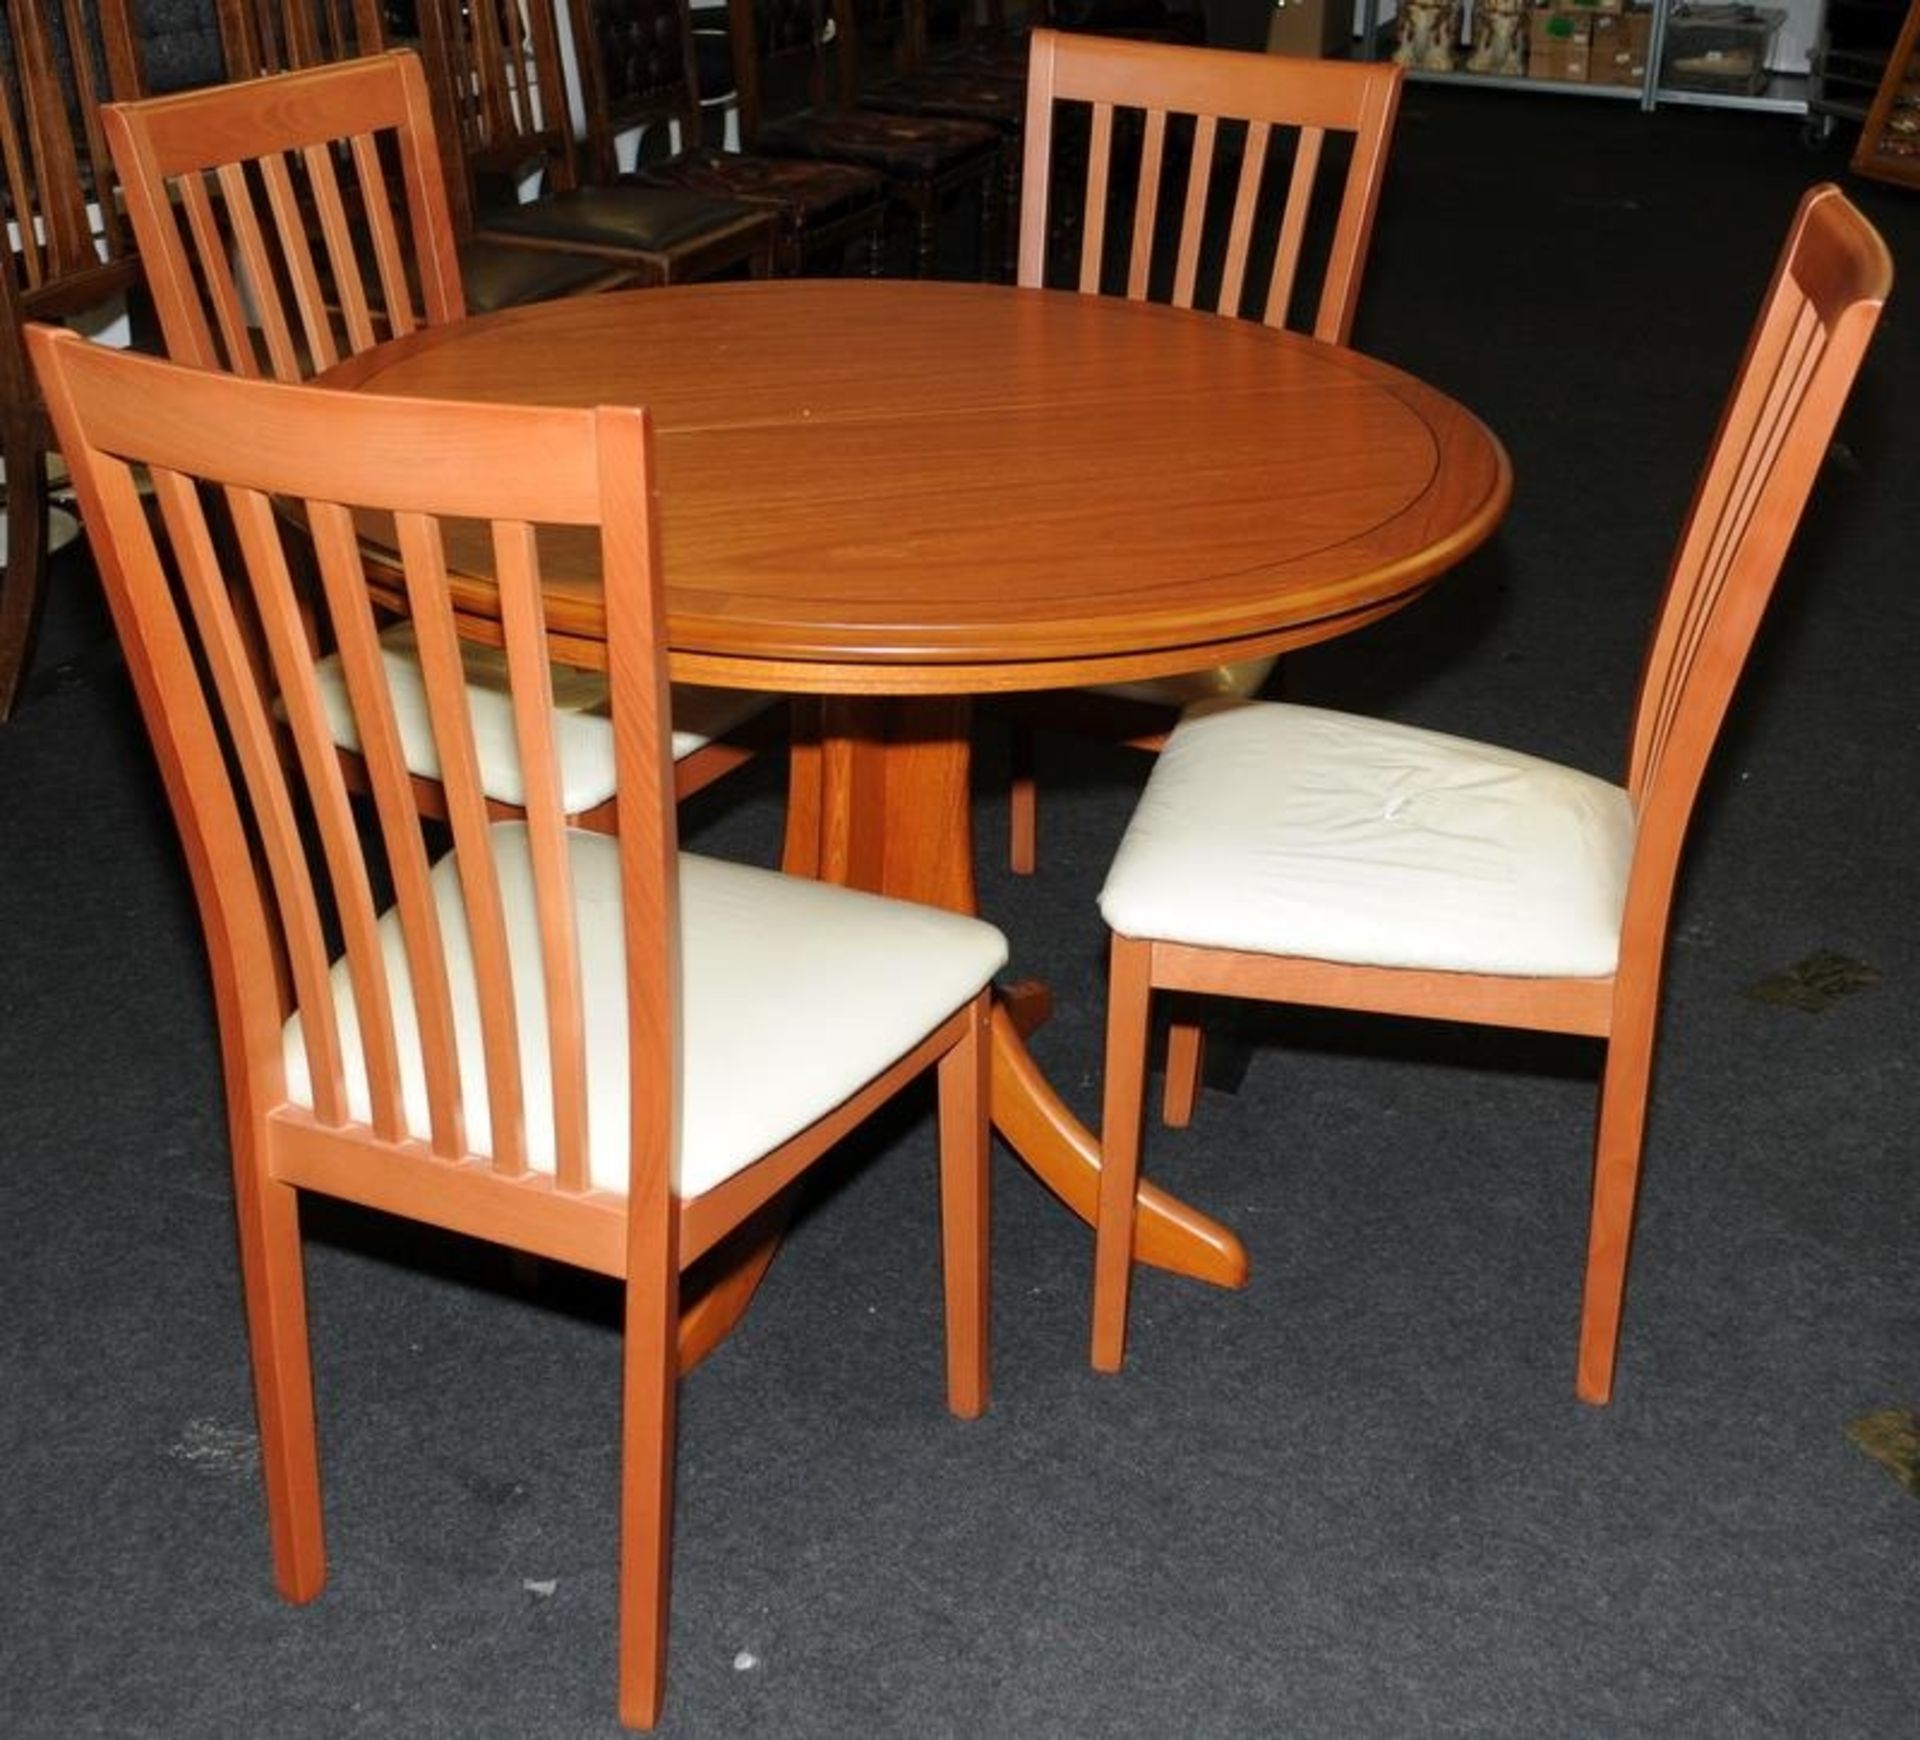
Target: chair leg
<point x="268" y="1216"/>
<point x="1618" y="1142"/>
<point x="23" y="579"/>
<point x="1023" y="802"/>
<point x="649" y="1378"/>
<point x="964" y="1215"/>
<point x="1186" y="1058"/>
<point x="1129" y="996"/>
<point x="925" y="234"/>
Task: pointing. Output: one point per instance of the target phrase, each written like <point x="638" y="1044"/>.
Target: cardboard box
<point x="1559" y="44"/>
<point x="1309" y="27"/>
<point x="1618" y="51"/>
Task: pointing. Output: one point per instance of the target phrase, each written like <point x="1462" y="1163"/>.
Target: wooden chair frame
<point x="66" y="252"/>
<point x="488" y="65"/>
<point x="1819" y="313"/>
<point x="1154" y="82"/>
<point x="238" y="802"/>
<point x="350" y="265"/>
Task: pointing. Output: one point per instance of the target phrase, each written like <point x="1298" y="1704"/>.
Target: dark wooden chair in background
<point x="1208" y="182"/>
<point x="501" y="101"/>
<point x="784" y="50"/>
<point x="538" y="1039"/>
<point x="67" y="253"/>
<point x="289" y="222"/>
<point x="932" y="76"/>
<point x="637" y="65"/>
<point x="1296" y="855"/>
<point x="270" y="36"/>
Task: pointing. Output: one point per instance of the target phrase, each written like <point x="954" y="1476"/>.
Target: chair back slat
<point x="1805" y="349"/>
<point x="517" y="566"/>
<point x="316" y="216"/>
<point x="1158" y="111"/>
<point x="270" y="36"/>
<point x="410" y="977"/>
<point x="56" y="65"/>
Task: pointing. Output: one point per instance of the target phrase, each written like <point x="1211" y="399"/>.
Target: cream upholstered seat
<point x="583" y="730"/>
<point x="1301" y="856"/>
<point x="795" y="985"/>
<point x="1288" y="830"/>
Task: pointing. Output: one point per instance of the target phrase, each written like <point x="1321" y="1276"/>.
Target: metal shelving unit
<point x="1785" y="93"/>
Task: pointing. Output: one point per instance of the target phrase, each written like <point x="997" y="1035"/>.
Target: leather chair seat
<point x="623" y="216"/>
<point x="809" y="193"/>
<point x="1275" y="829"/>
<point x="791" y="985"/>
<point x="500" y="275"/>
<point x="902" y="147"/>
<point x="954" y="92"/>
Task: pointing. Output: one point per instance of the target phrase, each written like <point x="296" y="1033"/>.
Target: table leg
<point x="888" y="808"/>
<point x="879" y="798"/>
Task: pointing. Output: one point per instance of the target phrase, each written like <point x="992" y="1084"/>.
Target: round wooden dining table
<point x="892" y="496"/>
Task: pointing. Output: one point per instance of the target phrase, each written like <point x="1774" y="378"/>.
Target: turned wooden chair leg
<point x="964" y="1215"/>
<point x="1129" y="997"/>
<point x="23" y="579"/>
<point x="925" y="237"/>
<point x="1186" y="1060"/>
<point x="650" y="1368"/>
<point x="1618" y="1142"/>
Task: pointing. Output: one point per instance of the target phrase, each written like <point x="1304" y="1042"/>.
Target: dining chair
<point x="930" y="76"/>
<point x="67" y="254"/>
<point x="1239" y="183"/>
<point x="241" y="196"/>
<point x="637" y="64"/>
<point x="271" y="36"/>
<point x="504" y="108"/>
<point x="1297" y="855"/>
<point x="930" y="163"/>
<point x="538" y="1038"/>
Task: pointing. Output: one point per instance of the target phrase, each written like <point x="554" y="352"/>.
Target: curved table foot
<point x="1037" y="1125"/>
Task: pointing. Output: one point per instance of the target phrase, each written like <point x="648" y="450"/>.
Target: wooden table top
<point x="919" y="487"/>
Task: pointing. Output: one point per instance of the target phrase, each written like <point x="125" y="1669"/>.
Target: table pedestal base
<point x="881" y="800"/>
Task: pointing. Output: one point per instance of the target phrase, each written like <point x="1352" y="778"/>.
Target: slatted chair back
<point x="1833" y="276"/>
<point x="636" y="70"/>
<point x="496" y="74"/>
<point x="1197" y="239"/>
<point x="67" y="251"/>
<point x="787" y="53"/>
<point x="301" y="468"/>
<point x="487" y="1041"/>
<point x="303" y="216"/>
<point x="269" y="36"/>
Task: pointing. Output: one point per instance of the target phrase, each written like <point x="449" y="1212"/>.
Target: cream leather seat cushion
<point x="1284" y="830"/>
<point x="794" y="994"/>
<point x="583" y="727"/>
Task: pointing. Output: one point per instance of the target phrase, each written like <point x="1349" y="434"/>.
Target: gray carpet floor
<point x="1355" y="1498"/>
